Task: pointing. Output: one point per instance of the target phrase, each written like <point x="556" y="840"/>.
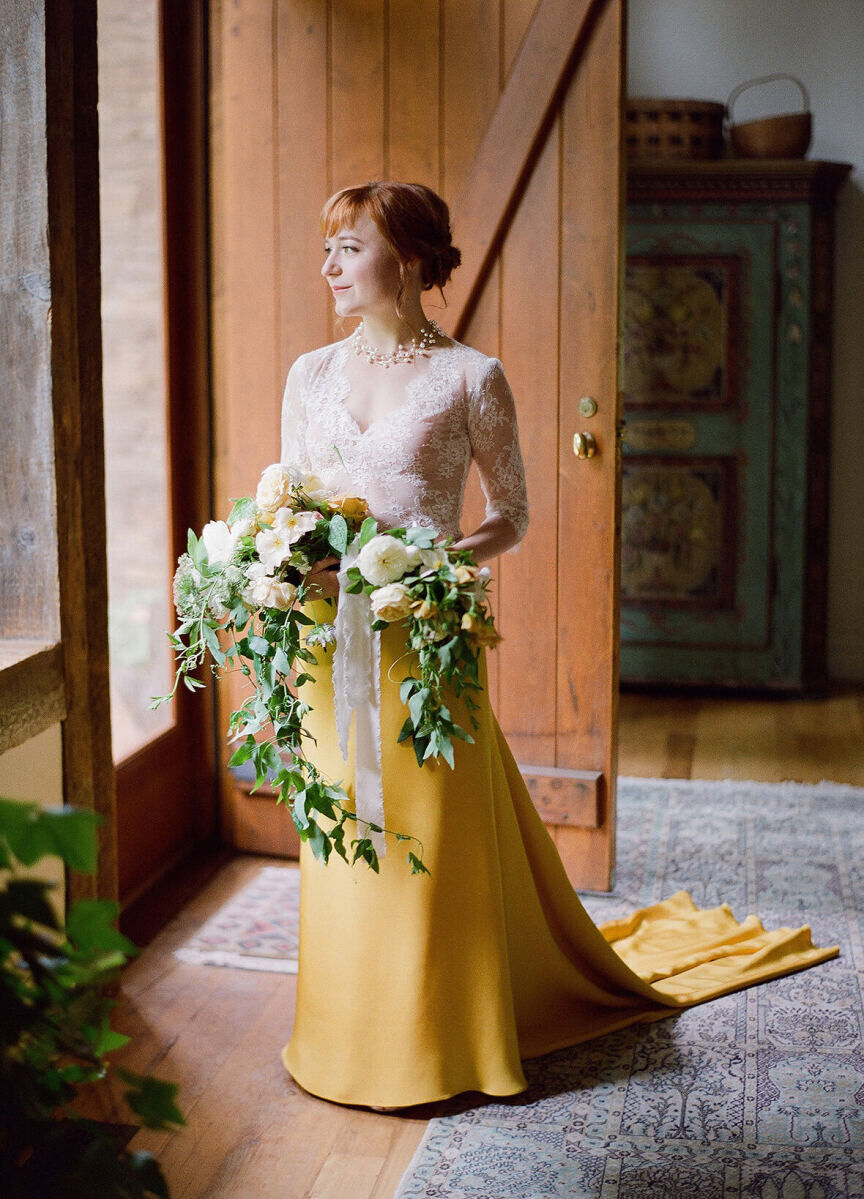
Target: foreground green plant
<point x="54" y="1025"/>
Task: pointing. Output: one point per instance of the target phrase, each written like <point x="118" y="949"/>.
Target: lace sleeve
<point x="494" y="438"/>
<point x="294" y="451"/>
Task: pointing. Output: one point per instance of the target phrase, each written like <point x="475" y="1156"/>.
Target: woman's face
<point x="361" y="270"/>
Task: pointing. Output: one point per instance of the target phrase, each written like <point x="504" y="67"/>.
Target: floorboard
<point x="252" y="1133"/>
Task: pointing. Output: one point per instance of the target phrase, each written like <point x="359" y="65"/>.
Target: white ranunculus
<point x="274" y="544"/>
<point x="435" y="558"/>
<point x="244" y="528"/>
<point x="280" y="595"/>
<point x="274" y="488"/>
<point x="383" y="559"/>
<point x="391" y="602"/>
<point x="265" y="591"/>
<point x="219" y="542"/>
<point x="413" y="553"/>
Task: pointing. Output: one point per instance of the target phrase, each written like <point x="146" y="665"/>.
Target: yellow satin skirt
<point x="414" y="988"/>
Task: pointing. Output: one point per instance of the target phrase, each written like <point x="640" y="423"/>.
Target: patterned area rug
<point x="758" y="1094"/>
<point x="256" y="929"/>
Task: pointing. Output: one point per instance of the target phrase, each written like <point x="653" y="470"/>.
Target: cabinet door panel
<point x="715" y="376"/>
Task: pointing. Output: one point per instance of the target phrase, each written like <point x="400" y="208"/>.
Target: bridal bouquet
<point x="239" y="591"/>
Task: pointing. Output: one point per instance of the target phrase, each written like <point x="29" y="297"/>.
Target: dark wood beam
<point x="71" y="70"/>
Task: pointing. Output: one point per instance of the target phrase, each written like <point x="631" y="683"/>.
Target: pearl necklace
<point x="429" y="334"/>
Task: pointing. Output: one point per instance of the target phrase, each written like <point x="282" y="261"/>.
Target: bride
<point x="412" y="989"/>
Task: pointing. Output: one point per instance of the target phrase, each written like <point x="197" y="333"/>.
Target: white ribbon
<point x="357" y="690"/>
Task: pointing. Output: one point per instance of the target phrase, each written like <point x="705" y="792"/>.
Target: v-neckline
<point x="345" y="390"/>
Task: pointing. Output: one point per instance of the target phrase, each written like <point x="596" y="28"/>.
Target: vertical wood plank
<point x="516" y="17"/>
<point x="357" y="99"/>
<point x="71" y="74"/>
<point x="469" y="83"/>
<point x="412" y="92"/>
<point x="469" y="93"/>
<point x="592" y="199"/>
<point x="247" y="359"/>
<point x="529" y="331"/>
<point x="301" y="50"/>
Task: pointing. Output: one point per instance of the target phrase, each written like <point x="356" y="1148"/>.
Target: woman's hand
<point x="322" y="579"/>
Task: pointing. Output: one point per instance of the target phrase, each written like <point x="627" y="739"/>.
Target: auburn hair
<point x="413" y="220"/>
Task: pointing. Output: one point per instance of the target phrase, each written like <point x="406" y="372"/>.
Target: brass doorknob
<point x="584" y="445"/>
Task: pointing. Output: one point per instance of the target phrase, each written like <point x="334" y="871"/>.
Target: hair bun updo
<point x="412" y="219"/>
<point x="437" y="272"/>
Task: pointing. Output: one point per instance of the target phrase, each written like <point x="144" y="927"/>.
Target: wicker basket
<point x="674" y="129"/>
<point x="784" y="136"/>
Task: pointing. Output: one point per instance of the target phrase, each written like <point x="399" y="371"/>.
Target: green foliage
<point x="54" y="1025"/>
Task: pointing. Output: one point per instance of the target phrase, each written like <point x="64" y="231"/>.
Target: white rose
<point x="383" y="559"/>
<point x="274" y="544"/>
<point x="274" y="489"/>
<point x="392" y="602"/>
<point x="219" y="542"/>
<point x="413" y="553"/>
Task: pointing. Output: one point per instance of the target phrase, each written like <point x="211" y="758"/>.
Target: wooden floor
<point x="252" y="1134"/>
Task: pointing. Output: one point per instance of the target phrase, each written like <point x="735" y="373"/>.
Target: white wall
<point x="34" y="772"/>
<point x="702" y="49"/>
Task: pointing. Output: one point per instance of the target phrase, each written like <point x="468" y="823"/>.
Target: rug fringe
<point x="240" y="961"/>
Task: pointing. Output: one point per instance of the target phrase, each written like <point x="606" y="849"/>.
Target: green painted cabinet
<point x="725" y="371"/>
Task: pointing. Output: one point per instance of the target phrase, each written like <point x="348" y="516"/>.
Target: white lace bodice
<point x="412" y="464"/>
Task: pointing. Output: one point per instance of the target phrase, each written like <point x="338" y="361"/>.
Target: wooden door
<point x="511" y="109"/>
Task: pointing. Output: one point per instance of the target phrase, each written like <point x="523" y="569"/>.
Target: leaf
<point x="281" y="661"/>
<point x="337" y="534"/>
<point x="420" y="536"/>
<point x="104" y="1039"/>
<point x="368" y="530"/>
<point x="258" y="645"/>
<point x="406" y="731"/>
<point x="417" y="866"/>
<point x="90" y="926"/>
<point x="152" y="1100"/>
<point x="212" y="642"/>
<point x="244" y="508"/>
<point x="29" y="898"/>
<point x="244" y="753"/>
<point x="406" y="688"/>
<point x="33" y="833"/>
<point x="416" y="704"/>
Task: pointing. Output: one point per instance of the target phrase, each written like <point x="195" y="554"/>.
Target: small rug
<point x="256" y="929"/>
<point x="757" y="1095"/>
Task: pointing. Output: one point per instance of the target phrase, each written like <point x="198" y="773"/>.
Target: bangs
<point x="342" y="210"/>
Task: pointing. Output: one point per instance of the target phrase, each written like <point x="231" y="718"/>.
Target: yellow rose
<point x="391" y="602"/>
<point x="424" y="609"/>
<point x="352" y="507"/>
<point x="467" y="574"/>
<point x="480" y="632"/>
